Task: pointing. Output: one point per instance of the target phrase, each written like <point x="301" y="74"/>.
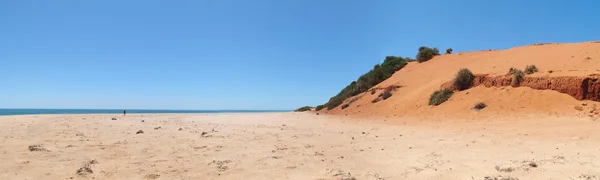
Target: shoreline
<point x="136" y="112"/>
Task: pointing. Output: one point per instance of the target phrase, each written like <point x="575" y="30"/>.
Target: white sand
<point x="294" y="146"/>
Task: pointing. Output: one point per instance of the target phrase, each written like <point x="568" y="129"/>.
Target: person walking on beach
<point x="124" y="112"/>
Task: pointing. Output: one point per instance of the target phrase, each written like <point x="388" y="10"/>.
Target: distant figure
<point x="124" y="112"/>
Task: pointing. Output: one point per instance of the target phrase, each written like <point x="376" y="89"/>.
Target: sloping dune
<point x="419" y="80"/>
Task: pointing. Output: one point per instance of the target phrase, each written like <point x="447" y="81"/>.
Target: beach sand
<point x="295" y="146"/>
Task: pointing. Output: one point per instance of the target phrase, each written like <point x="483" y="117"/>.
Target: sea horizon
<point x="39" y="111"/>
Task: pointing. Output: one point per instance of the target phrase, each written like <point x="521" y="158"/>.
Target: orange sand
<point x="419" y="80"/>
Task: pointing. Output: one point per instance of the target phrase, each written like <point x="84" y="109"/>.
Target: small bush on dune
<point x="449" y="51"/>
<point x="345" y="106"/>
<point x="426" y="53"/>
<point x="376" y="100"/>
<point x="530" y="69"/>
<point x="479" y="106"/>
<point x="385" y="95"/>
<point x="512" y="70"/>
<point x="440" y="96"/>
<point x="319" y="107"/>
<point x="517" y="76"/>
<point x="463" y="79"/>
<point x="302" y="109"/>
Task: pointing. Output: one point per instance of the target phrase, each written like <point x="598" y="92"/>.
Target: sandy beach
<point x="295" y="146"/>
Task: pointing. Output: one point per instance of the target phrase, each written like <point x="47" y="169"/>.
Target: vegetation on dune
<point x="530" y="69"/>
<point x="479" y="106"/>
<point x="349" y="102"/>
<point x="517" y="76"/>
<point x="378" y="74"/>
<point x="319" y="107"/>
<point x="302" y="109"/>
<point x="512" y="70"/>
<point x="345" y="106"/>
<point x="385" y="95"/>
<point x="449" y="51"/>
<point x="373" y="91"/>
<point x="440" y="96"/>
<point x="426" y="53"/>
<point x="463" y="79"/>
<point x="376" y="100"/>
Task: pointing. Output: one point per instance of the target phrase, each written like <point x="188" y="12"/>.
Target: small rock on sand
<point x="37" y="147"/>
<point x="140" y="132"/>
<point x="152" y="176"/>
<point x="85" y="170"/>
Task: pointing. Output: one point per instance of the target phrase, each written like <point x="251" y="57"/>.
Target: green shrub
<point x="319" y="107"/>
<point x="426" y="53"/>
<point x="345" y="106"/>
<point x="530" y="69"/>
<point x="376" y="100"/>
<point x="440" y="96"/>
<point x="463" y="79"/>
<point x="385" y="95"/>
<point x="512" y="70"/>
<point x="373" y="91"/>
<point x="517" y="77"/>
<point x="378" y="74"/>
<point x="479" y="106"/>
<point x="302" y="109"/>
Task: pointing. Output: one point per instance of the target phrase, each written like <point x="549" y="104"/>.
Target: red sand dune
<point x="563" y="68"/>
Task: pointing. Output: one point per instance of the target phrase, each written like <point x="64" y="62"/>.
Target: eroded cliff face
<point x="581" y="88"/>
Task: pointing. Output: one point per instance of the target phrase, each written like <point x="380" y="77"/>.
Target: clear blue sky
<point x="245" y="54"/>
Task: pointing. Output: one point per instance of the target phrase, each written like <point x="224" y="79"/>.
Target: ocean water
<point x="4" y="112"/>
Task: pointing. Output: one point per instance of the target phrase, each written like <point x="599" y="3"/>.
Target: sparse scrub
<point x="302" y="109"/>
<point x="345" y="106"/>
<point x="512" y="70"/>
<point x="440" y="96"/>
<point x="449" y="51"/>
<point x="376" y="100"/>
<point x="530" y="69"/>
<point x="463" y="79"/>
<point x="541" y="44"/>
<point x="426" y="53"/>
<point x="373" y="91"/>
<point x="517" y="77"/>
<point x="319" y="107"/>
<point x="385" y="95"/>
<point x="479" y="106"/>
<point x="379" y="73"/>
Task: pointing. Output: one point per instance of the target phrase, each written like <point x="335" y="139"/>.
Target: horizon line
<point x="148" y="109"/>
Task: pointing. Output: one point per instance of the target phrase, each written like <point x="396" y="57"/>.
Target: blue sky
<point x="242" y="54"/>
